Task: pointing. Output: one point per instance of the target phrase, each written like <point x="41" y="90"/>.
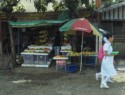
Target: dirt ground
<point x="47" y="81"/>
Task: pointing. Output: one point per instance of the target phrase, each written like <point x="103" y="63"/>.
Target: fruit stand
<point x="88" y="57"/>
<point x="36" y="56"/>
<point x="89" y="53"/>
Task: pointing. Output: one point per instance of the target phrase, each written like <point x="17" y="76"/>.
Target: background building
<point x="112" y="19"/>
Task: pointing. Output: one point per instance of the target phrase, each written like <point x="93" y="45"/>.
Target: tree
<point x="6" y="6"/>
<point x="75" y="5"/>
<point x="40" y="5"/>
<point x="107" y="2"/>
<point x="86" y="2"/>
<point x="58" y="6"/>
<point x="72" y="5"/>
<point x="19" y="8"/>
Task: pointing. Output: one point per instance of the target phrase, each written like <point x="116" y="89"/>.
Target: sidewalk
<point x="120" y="65"/>
<point x="4" y="59"/>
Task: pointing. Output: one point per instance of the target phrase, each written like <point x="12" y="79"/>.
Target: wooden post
<point x="96" y="48"/>
<point x="13" y="55"/>
<point x="112" y="28"/>
<point x="1" y="52"/>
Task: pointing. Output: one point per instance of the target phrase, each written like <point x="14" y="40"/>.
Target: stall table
<point x="61" y="63"/>
<point x="88" y="60"/>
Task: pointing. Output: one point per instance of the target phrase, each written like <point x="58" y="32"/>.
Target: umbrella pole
<point x="81" y="52"/>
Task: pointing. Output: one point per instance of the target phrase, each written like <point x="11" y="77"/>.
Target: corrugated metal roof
<point x="103" y="9"/>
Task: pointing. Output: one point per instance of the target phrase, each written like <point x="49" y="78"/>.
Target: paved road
<point x="46" y="81"/>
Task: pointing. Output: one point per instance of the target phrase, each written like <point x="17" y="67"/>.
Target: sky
<point x="29" y="5"/>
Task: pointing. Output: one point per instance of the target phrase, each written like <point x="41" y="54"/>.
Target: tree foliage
<point x="40" y="5"/>
<point x="86" y="2"/>
<point x="19" y="8"/>
<point x="73" y="6"/>
<point x="108" y="2"/>
<point x="58" y="6"/>
<point x="7" y="5"/>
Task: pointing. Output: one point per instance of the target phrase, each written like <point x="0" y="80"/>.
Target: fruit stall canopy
<point x="35" y="23"/>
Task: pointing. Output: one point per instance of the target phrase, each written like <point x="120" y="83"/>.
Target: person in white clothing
<point x="107" y="66"/>
<point x="98" y="65"/>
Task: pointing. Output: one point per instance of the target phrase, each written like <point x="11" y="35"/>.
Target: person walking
<point x="98" y="65"/>
<point x="57" y="43"/>
<point x="107" y="66"/>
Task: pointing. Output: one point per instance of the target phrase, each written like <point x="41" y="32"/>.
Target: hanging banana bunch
<point x="43" y="37"/>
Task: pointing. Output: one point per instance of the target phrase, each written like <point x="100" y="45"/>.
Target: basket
<point x="91" y="61"/>
<point x="115" y="53"/>
<point x="72" y="68"/>
<point x="28" y="59"/>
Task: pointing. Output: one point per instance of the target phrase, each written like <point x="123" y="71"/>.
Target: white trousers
<point x="105" y="79"/>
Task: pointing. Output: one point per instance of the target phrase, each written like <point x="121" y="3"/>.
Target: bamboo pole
<point x="13" y="55"/>
<point x="81" y="61"/>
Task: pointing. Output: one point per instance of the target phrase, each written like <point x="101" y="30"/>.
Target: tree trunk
<point x="12" y="47"/>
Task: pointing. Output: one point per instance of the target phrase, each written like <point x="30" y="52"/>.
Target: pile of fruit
<point x="58" y="56"/>
<point x="66" y="49"/>
<point x="83" y="53"/>
<point x="38" y="50"/>
<point x="43" y="37"/>
<point x="60" y="61"/>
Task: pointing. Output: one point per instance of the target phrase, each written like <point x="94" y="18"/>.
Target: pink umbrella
<point x="82" y="25"/>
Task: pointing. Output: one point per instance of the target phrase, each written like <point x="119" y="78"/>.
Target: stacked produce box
<point x="86" y="53"/>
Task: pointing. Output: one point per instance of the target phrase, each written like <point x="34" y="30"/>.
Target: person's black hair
<point x="109" y="35"/>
